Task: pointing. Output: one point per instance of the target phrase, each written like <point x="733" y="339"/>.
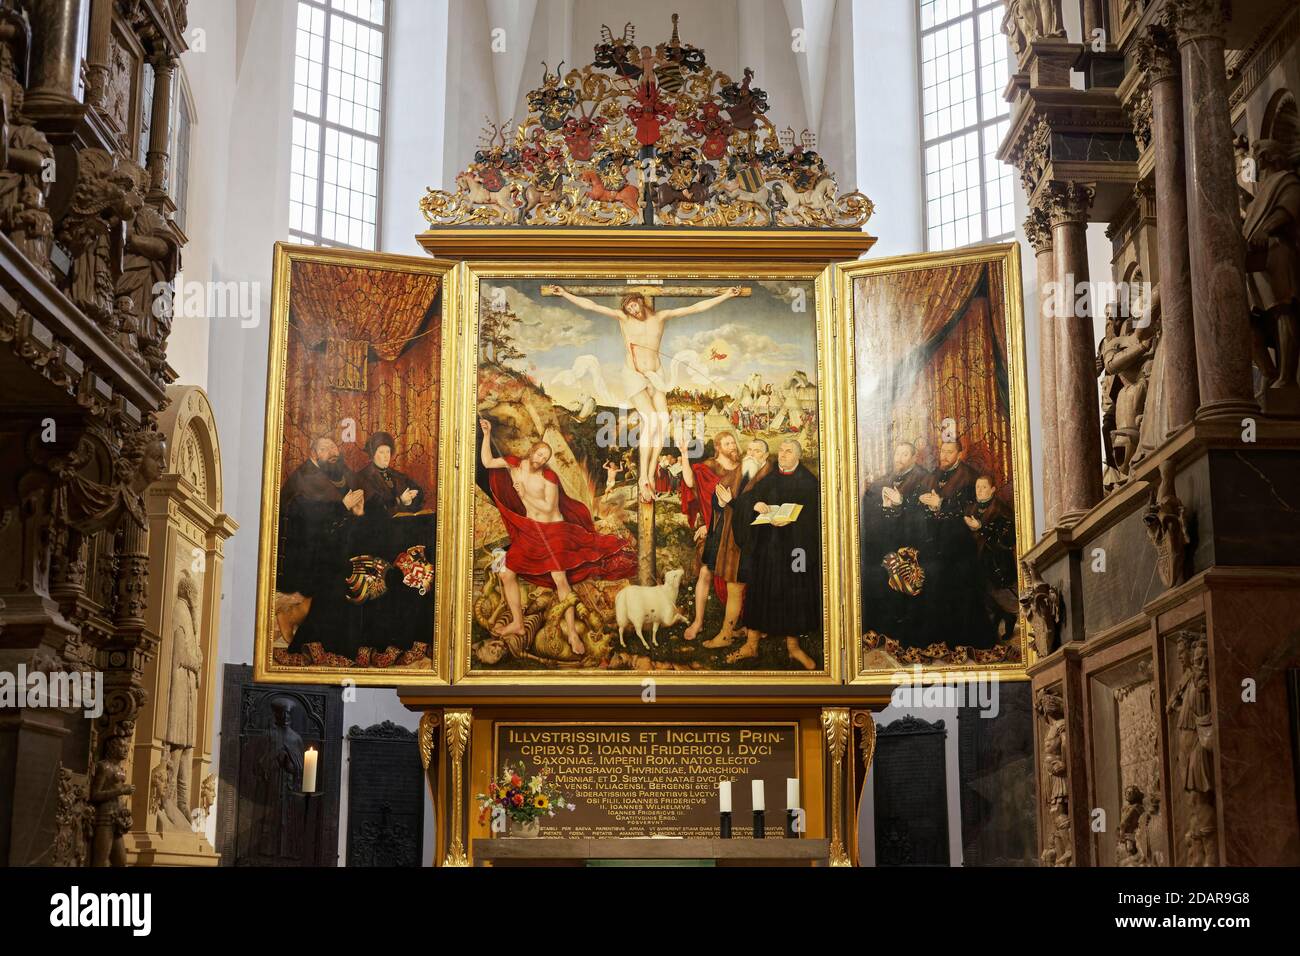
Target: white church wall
<point x="887" y="114"/>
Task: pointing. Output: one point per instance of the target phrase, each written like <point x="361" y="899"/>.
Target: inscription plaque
<point x="385" y="796"/>
<point x="655" y="779"/>
<point x="911" y="794"/>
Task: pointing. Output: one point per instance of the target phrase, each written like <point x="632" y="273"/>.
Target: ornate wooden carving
<point x="84" y="238"/>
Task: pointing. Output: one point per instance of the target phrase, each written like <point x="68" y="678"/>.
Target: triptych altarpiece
<point x="644" y="411"/>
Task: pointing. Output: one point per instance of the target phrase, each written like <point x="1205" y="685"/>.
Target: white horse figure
<point x="820" y="199"/>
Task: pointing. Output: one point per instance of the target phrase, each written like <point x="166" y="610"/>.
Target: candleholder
<point x="758" y="825"/>
<point x="790" y="817"/>
<point x="306" y="802"/>
<point x="724" y="825"/>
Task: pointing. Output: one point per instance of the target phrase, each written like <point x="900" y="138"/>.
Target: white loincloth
<point x="635" y="380"/>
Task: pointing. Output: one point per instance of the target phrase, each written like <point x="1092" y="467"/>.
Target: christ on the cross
<point x="643" y="332"/>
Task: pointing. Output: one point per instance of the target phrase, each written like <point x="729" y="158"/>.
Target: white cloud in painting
<point x="732" y="349"/>
<point x="538" y="327"/>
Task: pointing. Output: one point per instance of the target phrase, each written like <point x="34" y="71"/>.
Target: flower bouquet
<point x="521" y="799"/>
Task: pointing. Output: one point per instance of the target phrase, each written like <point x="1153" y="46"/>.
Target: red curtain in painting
<point x="386" y="320"/>
<point x="965" y="380"/>
<point x="931" y="345"/>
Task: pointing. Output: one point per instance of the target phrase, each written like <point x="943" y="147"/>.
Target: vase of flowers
<point x="517" y="802"/>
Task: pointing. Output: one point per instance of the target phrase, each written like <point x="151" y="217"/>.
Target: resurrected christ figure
<point x="553" y="540"/>
<point x="643" y="331"/>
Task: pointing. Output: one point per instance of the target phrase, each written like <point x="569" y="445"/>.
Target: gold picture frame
<point x="1004" y="261"/>
<point x="442" y="276"/>
<point x="464" y="432"/>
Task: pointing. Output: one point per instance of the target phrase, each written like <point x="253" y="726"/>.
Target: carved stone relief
<point x="1192" y="739"/>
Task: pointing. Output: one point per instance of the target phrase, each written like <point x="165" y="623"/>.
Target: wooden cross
<point x="645" y="524"/>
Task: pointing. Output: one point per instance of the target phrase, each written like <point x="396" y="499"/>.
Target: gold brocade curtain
<point x="355" y="309"/>
<point x="342" y="319"/>
<point x="930" y="346"/>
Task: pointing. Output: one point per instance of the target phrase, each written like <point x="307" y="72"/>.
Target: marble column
<point x="1157" y="56"/>
<point x="1038" y="230"/>
<point x="57" y="30"/>
<point x="1077" y="415"/>
<point x="1218" y="253"/>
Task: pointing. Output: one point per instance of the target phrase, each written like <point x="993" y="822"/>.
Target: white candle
<point x="792" y="793"/>
<point x="758" y="795"/>
<point x="309" y="770"/>
<point x="724" y="796"/>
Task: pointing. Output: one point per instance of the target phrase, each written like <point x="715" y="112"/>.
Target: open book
<point x="787" y="512"/>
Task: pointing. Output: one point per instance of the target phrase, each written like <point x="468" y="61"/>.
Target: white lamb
<point x="639" y="605"/>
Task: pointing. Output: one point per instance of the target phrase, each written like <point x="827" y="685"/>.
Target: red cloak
<point x="697" y="503"/>
<point x="573" y="545"/>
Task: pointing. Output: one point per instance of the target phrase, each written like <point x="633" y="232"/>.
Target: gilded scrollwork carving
<point x="456" y="729"/>
<point x="427" y="736"/>
<point x="835" y="729"/>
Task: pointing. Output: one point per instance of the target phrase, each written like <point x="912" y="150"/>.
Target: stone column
<point x="160" y="122"/>
<point x="1158" y="57"/>
<point x="56" y="55"/>
<point x="1038" y="229"/>
<point x="97" y="50"/>
<point x="1077" y="416"/>
<point x="1218" y="253"/>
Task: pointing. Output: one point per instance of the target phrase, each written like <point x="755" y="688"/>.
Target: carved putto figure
<point x="1272" y="233"/>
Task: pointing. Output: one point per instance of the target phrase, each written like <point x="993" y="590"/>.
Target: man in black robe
<point x="780" y="561"/>
<point x="892" y="517"/>
<point x="990" y="521"/>
<point x="320" y="506"/>
<point x="951" y="575"/>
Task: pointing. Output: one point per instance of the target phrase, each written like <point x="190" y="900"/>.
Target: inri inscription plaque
<point x="655" y="779"/>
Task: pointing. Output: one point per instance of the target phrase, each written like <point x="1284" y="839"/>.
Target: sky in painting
<point x="572" y="352"/>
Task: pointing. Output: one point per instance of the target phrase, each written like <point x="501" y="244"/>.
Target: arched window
<point x="338" y="122"/>
<point x="965" y="63"/>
